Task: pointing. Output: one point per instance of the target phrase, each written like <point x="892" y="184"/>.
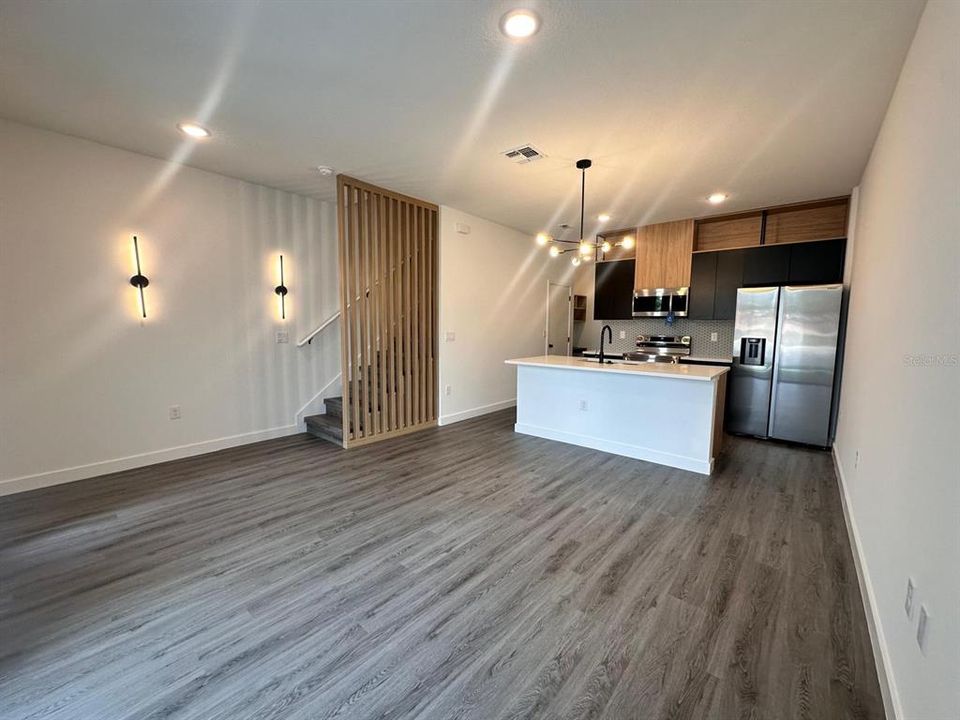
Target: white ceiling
<point x="771" y="101"/>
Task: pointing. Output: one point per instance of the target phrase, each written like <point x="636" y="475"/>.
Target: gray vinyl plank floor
<point x="461" y="572"/>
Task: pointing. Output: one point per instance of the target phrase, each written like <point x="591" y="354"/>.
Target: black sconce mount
<point x="139" y="280"/>
<point x="281" y="290"/>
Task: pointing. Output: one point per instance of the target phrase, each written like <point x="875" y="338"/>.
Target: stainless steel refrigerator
<point x="785" y="350"/>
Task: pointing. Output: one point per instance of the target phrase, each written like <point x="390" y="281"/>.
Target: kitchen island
<point x="665" y="413"/>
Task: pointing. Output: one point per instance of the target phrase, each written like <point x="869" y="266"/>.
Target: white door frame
<point x="546" y="328"/>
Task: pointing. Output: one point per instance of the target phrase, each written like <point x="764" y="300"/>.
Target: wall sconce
<point x="281" y="290"/>
<point x="139" y="280"/>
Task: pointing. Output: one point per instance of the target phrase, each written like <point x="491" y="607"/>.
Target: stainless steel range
<point x="660" y="348"/>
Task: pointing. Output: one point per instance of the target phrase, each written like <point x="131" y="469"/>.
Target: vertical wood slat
<point x="355" y="316"/>
<point x="372" y="360"/>
<point x="394" y="335"/>
<point x="346" y="353"/>
<point x="388" y="270"/>
<point x="384" y="412"/>
<point x="415" y="312"/>
<point x="407" y="346"/>
<point x="433" y="307"/>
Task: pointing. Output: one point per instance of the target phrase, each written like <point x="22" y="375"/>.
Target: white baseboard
<point x="881" y="655"/>
<point x="81" y="472"/>
<point x="476" y="412"/>
<point x="637" y="452"/>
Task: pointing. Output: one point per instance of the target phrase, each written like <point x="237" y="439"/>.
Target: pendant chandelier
<point x="585" y="250"/>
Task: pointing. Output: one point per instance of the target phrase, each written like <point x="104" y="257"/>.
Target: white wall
<point x="493" y="297"/>
<point x="85" y="387"/>
<point x="900" y="401"/>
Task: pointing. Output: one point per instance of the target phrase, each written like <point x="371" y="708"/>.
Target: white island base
<point x="667" y="414"/>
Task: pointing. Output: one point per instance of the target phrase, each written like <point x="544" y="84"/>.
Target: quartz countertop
<point x="667" y="370"/>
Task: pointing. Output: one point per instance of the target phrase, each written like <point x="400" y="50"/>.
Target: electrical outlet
<point x="922" y="629"/>
<point x="713" y="337"/>
<point x="283" y="336"/>
<point x="623" y="334"/>
<point x="583" y="405"/>
<point x="447" y="390"/>
<point x="908" y="600"/>
<point x="174" y="412"/>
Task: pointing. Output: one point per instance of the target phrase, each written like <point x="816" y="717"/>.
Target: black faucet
<point x="604" y="329"/>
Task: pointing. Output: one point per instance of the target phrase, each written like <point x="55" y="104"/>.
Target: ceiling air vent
<point x="523" y="154"/>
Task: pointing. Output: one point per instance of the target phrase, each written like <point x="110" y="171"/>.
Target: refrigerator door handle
<point x="776" y="364"/>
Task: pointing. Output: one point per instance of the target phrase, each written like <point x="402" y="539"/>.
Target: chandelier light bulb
<point x="585" y="248"/>
<point x="627" y="242"/>
<point x="542" y="239"/>
<point x="554" y="251"/>
<point x="575" y="261"/>
<point x="605" y="247"/>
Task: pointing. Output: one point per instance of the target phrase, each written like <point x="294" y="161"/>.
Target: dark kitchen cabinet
<point x="729" y="279"/>
<point x="767" y="265"/>
<point x="816" y="262"/>
<point x="613" y="290"/>
<point x="703" y="286"/>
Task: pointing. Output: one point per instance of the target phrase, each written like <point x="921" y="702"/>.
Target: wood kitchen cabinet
<point x="822" y="220"/>
<point x="664" y="254"/>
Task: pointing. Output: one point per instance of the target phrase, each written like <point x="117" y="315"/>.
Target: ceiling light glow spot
<point x="198" y="132"/>
<point x="603" y="217"/>
<point x="717" y="198"/>
<point x="519" y="23"/>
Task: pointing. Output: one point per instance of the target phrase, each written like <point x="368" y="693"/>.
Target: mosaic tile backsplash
<point x="587" y="334"/>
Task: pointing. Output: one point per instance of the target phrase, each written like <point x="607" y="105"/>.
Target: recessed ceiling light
<point x="717" y="198"/>
<point x="603" y="217"/>
<point x="193" y="130"/>
<point x="325" y="170"/>
<point x="520" y="23"/>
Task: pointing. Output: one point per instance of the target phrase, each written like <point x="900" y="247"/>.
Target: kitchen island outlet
<point x="665" y="413"/>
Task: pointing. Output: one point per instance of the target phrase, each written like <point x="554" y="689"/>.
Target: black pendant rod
<point x="582" y="166"/>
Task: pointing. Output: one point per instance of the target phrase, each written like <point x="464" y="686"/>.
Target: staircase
<point x="330" y="426"/>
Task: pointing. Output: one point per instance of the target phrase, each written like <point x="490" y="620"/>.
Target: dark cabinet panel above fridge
<point x="817" y="263"/>
<point x="613" y="290"/>
<point x="716" y="276"/>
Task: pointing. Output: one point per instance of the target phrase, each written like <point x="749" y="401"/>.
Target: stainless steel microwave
<point x="660" y="302"/>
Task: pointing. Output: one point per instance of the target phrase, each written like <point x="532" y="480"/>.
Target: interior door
<point x="559" y="318"/>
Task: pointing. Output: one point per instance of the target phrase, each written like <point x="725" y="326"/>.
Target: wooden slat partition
<point x="388" y="301"/>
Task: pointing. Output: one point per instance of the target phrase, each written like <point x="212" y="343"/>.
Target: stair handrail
<point x="309" y="337"/>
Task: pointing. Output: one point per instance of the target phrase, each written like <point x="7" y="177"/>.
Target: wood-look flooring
<point x="462" y="572"/>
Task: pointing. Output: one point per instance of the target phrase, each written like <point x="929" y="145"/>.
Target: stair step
<point x="325" y="427"/>
<point x="334" y="406"/>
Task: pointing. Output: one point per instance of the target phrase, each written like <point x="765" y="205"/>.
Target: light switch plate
<point x="623" y="334"/>
<point x="713" y="337"/>
<point x="283" y="336"/>
<point x="174" y="412"/>
<point x="451" y="336"/>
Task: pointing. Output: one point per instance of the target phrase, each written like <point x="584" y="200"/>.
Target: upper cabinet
<point x="825" y="220"/>
<point x="729" y="232"/>
<point x="800" y="222"/>
<point x="664" y="253"/>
